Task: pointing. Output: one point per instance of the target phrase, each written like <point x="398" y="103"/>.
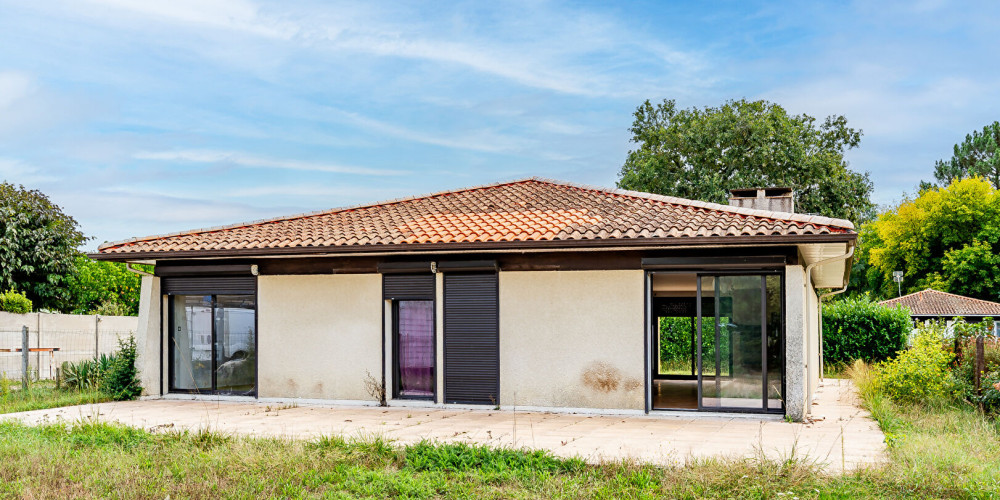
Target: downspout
<point x="809" y="268"/>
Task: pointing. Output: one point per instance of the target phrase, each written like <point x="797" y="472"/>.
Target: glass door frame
<point x="764" y="352"/>
<point x="171" y="347"/>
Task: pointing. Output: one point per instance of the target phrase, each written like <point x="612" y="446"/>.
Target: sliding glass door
<point x="740" y="354"/>
<point x="213" y="344"/>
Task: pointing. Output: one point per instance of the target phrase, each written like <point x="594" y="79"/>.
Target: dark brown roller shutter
<point x="408" y="286"/>
<point x="209" y="285"/>
<point x="471" y="338"/>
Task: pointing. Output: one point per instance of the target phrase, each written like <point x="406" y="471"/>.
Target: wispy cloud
<point x="251" y="161"/>
<point x="19" y="172"/>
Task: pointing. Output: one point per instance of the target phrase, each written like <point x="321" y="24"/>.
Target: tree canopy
<point x="703" y="153"/>
<point x="947" y="239"/>
<point x="977" y="156"/>
<point x="37" y="245"/>
<point x="104" y="287"/>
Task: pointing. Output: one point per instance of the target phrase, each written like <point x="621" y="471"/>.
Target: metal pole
<point x="24" y="358"/>
<point x="97" y="336"/>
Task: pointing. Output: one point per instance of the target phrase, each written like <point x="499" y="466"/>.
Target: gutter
<point x="809" y="268"/>
<point x="486" y="247"/>
<point x="140" y="272"/>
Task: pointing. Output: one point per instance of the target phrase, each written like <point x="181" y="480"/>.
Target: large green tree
<point x="946" y="238"/>
<point x="104" y="287"/>
<point x="702" y="153"/>
<point x="977" y="156"/>
<point x="37" y="245"/>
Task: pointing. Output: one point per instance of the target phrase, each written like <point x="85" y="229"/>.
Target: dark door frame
<point x="699" y="272"/>
<point x="171" y="349"/>
<point x="395" y="350"/>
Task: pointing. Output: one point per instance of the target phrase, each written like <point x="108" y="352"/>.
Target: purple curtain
<point x="416" y="347"/>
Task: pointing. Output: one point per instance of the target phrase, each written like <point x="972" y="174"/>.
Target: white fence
<point x="55" y="338"/>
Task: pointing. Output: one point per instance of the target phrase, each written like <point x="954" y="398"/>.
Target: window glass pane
<point x="775" y="347"/>
<point x="236" y="350"/>
<point x="415" y="344"/>
<point x="732" y="375"/>
<point x="191" y="342"/>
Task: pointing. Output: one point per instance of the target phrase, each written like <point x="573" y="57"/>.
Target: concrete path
<point x="845" y="438"/>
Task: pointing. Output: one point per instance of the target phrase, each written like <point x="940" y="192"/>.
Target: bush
<point x="83" y="375"/>
<point x="15" y="302"/>
<point x="858" y="328"/>
<point x="114" y="375"/>
<point x="920" y="374"/>
<point x="122" y="381"/>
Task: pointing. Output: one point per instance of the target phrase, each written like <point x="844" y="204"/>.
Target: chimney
<point x="775" y="199"/>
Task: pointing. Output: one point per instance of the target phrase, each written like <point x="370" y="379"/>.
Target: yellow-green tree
<point x="946" y="238"/>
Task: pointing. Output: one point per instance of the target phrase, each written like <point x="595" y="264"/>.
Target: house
<point x="531" y="294"/>
<point x="930" y="304"/>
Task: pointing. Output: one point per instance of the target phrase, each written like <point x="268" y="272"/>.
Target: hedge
<point x="858" y="328"/>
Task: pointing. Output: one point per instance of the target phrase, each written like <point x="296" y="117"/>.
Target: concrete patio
<point x="843" y="437"/>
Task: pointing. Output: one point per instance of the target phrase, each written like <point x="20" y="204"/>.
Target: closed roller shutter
<point x="209" y="285"/>
<point x="408" y="286"/>
<point x="471" y="339"/>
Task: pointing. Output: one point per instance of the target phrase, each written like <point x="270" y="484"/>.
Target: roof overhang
<point x="834" y="274"/>
<point x="825" y="244"/>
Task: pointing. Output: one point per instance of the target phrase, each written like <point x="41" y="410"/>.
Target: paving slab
<point x="845" y="438"/>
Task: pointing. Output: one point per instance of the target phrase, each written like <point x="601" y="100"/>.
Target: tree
<point x="703" y="153"/>
<point x="37" y="245"/>
<point x="978" y="156"/>
<point x="947" y="239"/>
<point x="97" y="286"/>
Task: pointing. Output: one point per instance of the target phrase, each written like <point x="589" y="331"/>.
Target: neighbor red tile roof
<point x="526" y="211"/>
<point x="934" y="303"/>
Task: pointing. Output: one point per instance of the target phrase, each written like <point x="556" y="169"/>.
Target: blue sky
<point x="141" y="117"/>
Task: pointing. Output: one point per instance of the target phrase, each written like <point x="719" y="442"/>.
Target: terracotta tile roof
<point x="934" y="303"/>
<point x="529" y="210"/>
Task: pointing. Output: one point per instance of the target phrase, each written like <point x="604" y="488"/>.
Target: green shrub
<point x="122" y="381"/>
<point x="82" y="375"/>
<point x="920" y="374"/>
<point x="15" y="302"/>
<point x="858" y="328"/>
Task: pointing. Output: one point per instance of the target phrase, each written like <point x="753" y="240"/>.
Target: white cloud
<point x="232" y="15"/>
<point x="18" y="172"/>
<point x="252" y="161"/>
<point x="14" y="86"/>
<point x="548" y="56"/>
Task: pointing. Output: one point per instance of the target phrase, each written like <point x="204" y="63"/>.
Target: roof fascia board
<point x="419" y="248"/>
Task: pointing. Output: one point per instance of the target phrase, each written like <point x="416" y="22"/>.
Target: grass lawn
<point x="948" y="452"/>
<point x="41" y="395"/>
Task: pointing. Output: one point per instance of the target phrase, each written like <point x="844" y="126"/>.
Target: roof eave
<point x="413" y="248"/>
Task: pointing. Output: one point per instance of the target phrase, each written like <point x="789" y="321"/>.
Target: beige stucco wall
<point x="147" y="337"/>
<point x="572" y="339"/>
<point x="318" y="335"/>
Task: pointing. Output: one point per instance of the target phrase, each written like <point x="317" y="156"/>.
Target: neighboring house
<point x="931" y="304"/>
<point x="528" y="294"/>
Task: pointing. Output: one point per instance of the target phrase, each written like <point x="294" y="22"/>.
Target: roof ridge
<point x="674" y="200"/>
<point x="921" y="292"/>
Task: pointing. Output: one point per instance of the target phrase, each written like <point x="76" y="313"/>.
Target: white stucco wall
<point x="572" y="339"/>
<point x="318" y="335"/>
<point x="796" y="319"/>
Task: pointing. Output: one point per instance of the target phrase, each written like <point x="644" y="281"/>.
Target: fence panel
<point x="48" y="350"/>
